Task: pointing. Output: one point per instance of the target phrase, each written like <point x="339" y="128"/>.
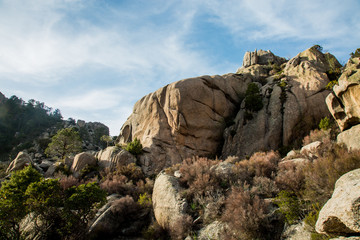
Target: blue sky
<point x="93" y="59"/>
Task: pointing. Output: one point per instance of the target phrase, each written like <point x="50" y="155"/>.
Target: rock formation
<point x="22" y="160"/>
<point x="293" y="103"/>
<point x="189" y="117"/>
<point x="184" y="119"/>
<point x="340" y="215"/>
<point x="112" y="156"/>
<point x="82" y="160"/>
<point x="168" y="204"/>
<point x="344" y="102"/>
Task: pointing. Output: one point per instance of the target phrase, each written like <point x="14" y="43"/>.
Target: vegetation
<point x="135" y="147"/>
<point x="325" y="123"/>
<point x="253" y="98"/>
<point x="21" y="123"/>
<point x="355" y="54"/>
<point x="66" y="142"/>
<point x="57" y="213"/>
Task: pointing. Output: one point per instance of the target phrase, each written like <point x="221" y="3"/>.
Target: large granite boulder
<point x="340" y="215"/>
<point x="293" y="104"/>
<point x="82" y="160"/>
<point x="168" y="204"/>
<point x="350" y="137"/>
<point x="261" y="57"/>
<point x="184" y="119"/>
<point x="22" y="160"/>
<point x="113" y="156"/>
<point x="344" y="102"/>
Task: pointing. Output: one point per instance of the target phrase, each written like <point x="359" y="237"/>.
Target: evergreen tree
<point x="66" y="142"/>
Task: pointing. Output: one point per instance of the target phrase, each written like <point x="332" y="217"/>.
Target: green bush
<point x="289" y="206"/>
<point x="66" y="142"/>
<point x="253" y="98"/>
<point x="135" y="147"/>
<point x="325" y="123"/>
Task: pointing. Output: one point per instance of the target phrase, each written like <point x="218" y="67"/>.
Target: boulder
<point x="214" y="230"/>
<point x="120" y="216"/>
<point x="311" y="149"/>
<point x="22" y="160"/>
<point x="113" y="156"/>
<point x="298" y="231"/>
<point x="350" y="137"/>
<point x="261" y="57"/>
<point x="168" y="204"/>
<point x="295" y="161"/>
<point x="82" y="160"/>
<point x="340" y="215"/>
<point x="344" y="102"/>
<point x="183" y="119"/>
<point x="346" y="238"/>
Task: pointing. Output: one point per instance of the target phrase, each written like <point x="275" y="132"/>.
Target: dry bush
<point x="118" y="184"/>
<point x="317" y="135"/>
<point x="245" y="214"/>
<point x="131" y="171"/>
<point x="321" y="175"/>
<point x="124" y="206"/>
<point x="264" y="187"/>
<point x="198" y="175"/>
<point x="68" y="182"/>
<point x="260" y="164"/>
<point x="180" y="228"/>
<point x="290" y="177"/>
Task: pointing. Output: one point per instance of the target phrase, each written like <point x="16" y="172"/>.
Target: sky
<point x="93" y="59"/>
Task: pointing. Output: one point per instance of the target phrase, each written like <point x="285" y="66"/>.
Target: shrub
<point x="290" y="177"/>
<point x="135" y="147"/>
<point x="325" y="123"/>
<point x="144" y="200"/>
<point x="356" y="54"/>
<point x="253" y="98"/>
<point x="289" y="206"/>
<point x="321" y="175"/>
<point x="245" y="214"/>
<point x="66" y="142"/>
<point x="181" y="227"/>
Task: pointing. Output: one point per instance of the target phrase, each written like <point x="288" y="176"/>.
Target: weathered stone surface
<point x="344" y="103"/>
<point x="22" y="160"/>
<point x="346" y="238"/>
<point x="168" y="204"/>
<point x="293" y="103"/>
<point x="113" y="156"/>
<point x="118" y="217"/>
<point x="82" y="160"/>
<point x="296" y="161"/>
<point x="311" y="149"/>
<point x="296" y="232"/>
<point x="261" y="57"/>
<point x="183" y="119"/>
<point x="340" y="215"/>
<point x="214" y="230"/>
<point x="350" y="137"/>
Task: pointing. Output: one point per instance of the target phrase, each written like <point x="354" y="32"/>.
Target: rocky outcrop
<point x="344" y="102"/>
<point x="261" y="57"/>
<point x="293" y="104"/>
<point x="214" y="230"/>
<point x="298" y="231"/>
<point x="340" y="215"/>
<point x="169" y="207"/>
<point x="22" y="160"/>
<point x="82" y="160"/>
<point x="350" y="137"/>
<point x="184" y="119"/>
<point x="113" y="156"/>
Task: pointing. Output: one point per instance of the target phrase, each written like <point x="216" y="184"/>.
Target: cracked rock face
<point x="183" y="119"/>
<point x="344" y="102"/>
<point x="293" y="103"/>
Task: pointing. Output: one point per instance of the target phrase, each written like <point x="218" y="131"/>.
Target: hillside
<point x="269" y="152"/>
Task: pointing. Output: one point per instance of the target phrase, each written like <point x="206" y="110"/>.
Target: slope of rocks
<point x="196" y="116"/>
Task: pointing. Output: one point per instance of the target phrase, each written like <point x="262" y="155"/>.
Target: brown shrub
<point x="131" y="171"/>
<point x="198" y="175"/>
<point x="124" y="206"/>
<point x="68" y="182"/>
<point x="181" y="227"/>
<point x="245" y="214"/>
<point x="290" y="177"/>
<point x="321" y="175"/>
<point x="264" y="187"/>
<point x="260" y="164"/>
<point x="317" y="135"/>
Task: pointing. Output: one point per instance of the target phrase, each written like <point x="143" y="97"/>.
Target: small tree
<point x="107" y="139"/>
<point x="135" y="147"/>
<point x="253" y="99"/>
<point x="66" y="141"/>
